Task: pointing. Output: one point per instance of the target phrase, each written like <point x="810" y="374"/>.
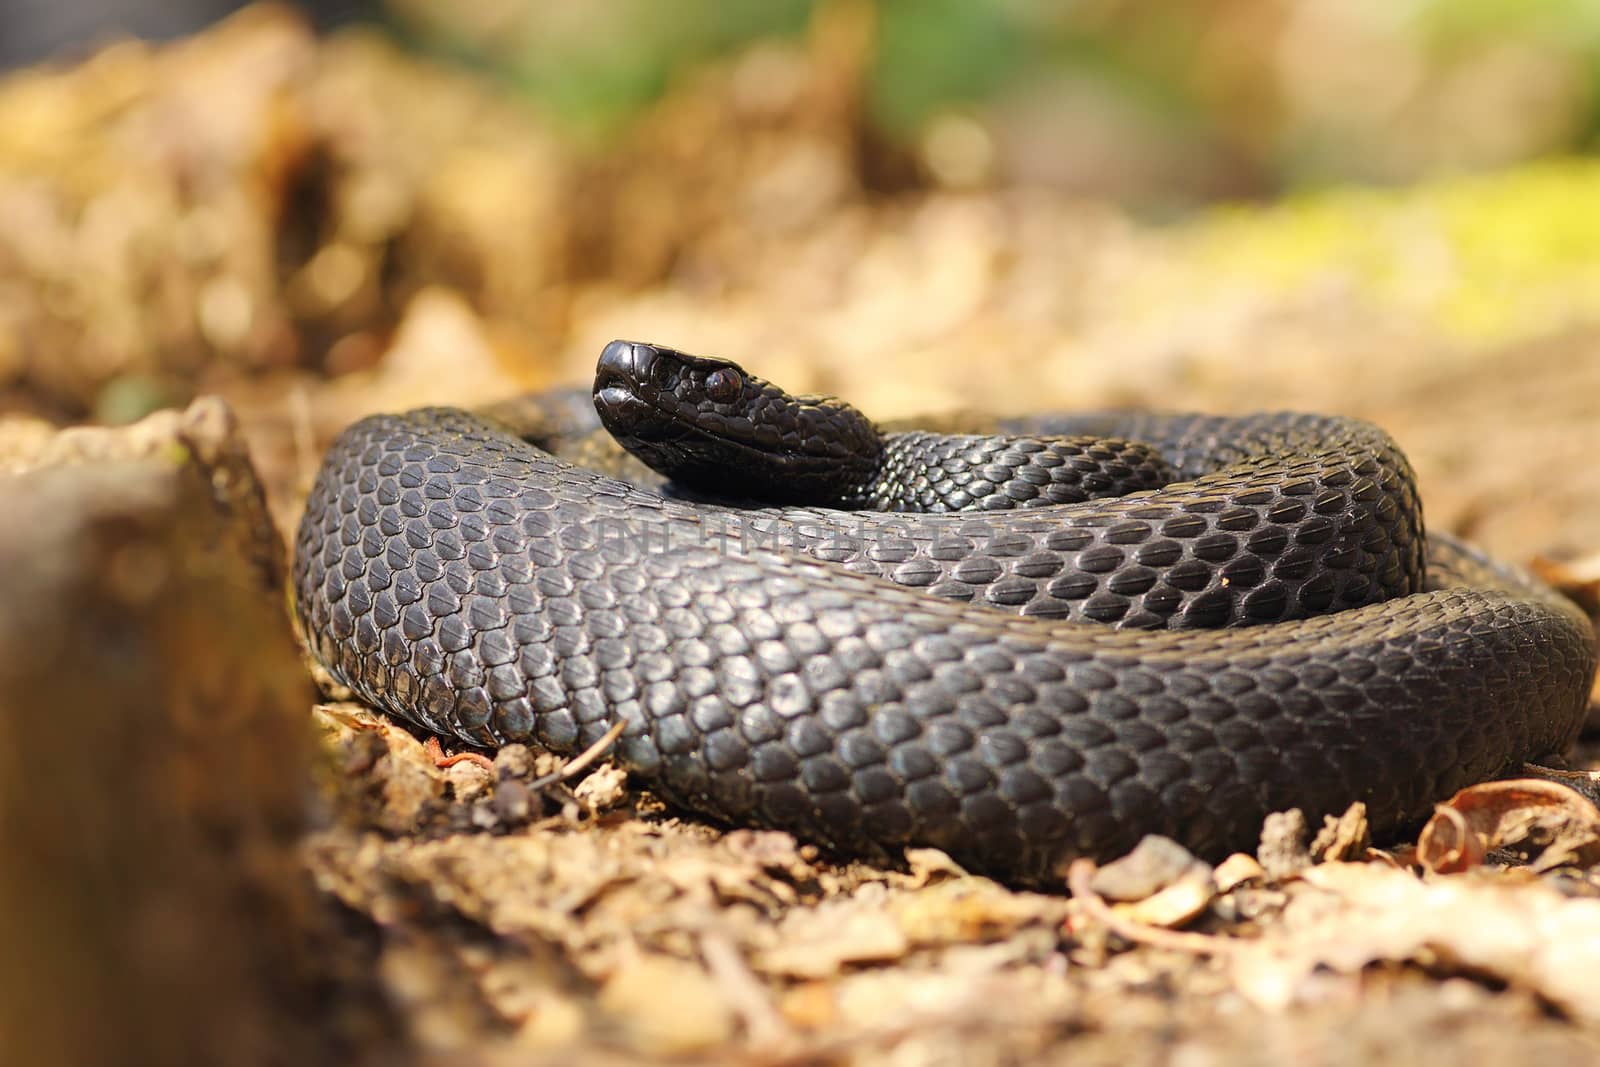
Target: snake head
<point x="709" y="424"/>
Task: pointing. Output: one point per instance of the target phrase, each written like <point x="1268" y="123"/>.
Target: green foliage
<point x="934" y="53"/>
<point x="1487" y="259"/>
<point x="1206" y="66"/>
<point x="1571" y="21"/>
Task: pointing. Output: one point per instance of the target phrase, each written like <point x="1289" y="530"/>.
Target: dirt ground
<point x="361" y="231"/>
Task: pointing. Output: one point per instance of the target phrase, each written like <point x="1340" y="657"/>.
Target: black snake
<point x="869" y="680"/>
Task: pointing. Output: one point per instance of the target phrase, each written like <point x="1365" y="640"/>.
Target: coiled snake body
<point x="1017" y="687"/>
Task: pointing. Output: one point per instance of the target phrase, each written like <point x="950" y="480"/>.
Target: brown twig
<point x="582" y="760"/>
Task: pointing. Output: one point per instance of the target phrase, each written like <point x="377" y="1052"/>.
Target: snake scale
<point x="1019" y="677"/>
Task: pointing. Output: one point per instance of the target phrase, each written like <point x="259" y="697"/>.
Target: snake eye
<point x="724" y="385"/>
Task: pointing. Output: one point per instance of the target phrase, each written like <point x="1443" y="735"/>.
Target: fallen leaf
<point x="1342" y="838"/>
<point x="1585" y="783"/>
<point x="1549" y="822"/>
<point x="1344" y="917"/>
<point x="1578" y="579"/>
<point x="1092" y="917"/>
<point x="1236" y="870"/>
<point x="971" y="909"/>
<point x="1177" y="904"/>
<point x="927" y="864"/>
<point x="817" y="942"/>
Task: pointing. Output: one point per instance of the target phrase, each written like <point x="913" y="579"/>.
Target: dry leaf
<point x="1578" y="579"/>
<point x="1236" y="870"/>
<point x="1346" y="916"/>
<point x="970" y="909"/>
<point x="1177" y="904"/>
<point x="1344" y="838"/>
<point x="928" y="864"/>
<point x="817" y="942"/>
<point x="1546" y="819"/>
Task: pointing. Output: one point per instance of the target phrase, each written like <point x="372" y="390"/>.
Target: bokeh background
<point x="1163" y="106"/>
<point x="1383" y="208"/>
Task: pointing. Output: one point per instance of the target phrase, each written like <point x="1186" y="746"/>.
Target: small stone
<point x="513" y="761"/>
<point x="1155" y="863"/>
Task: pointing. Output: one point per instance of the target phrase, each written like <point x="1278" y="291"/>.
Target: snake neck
<point x="923" y="471"/>
<point x="719" y="432"/>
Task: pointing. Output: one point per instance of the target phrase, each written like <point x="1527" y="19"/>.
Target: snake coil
<point x="872" y="680"/>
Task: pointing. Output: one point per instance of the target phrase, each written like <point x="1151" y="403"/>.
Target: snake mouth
<point x="622" y="384"/>
<point x="615" y="393"/>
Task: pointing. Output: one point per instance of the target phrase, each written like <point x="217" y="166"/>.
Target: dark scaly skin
<point x="757" y="443"/>
<point x="464" y="580"/>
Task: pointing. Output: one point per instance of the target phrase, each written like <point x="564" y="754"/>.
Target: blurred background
<point x="1383" y="207"/>
<point x="1159" y="105"/>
